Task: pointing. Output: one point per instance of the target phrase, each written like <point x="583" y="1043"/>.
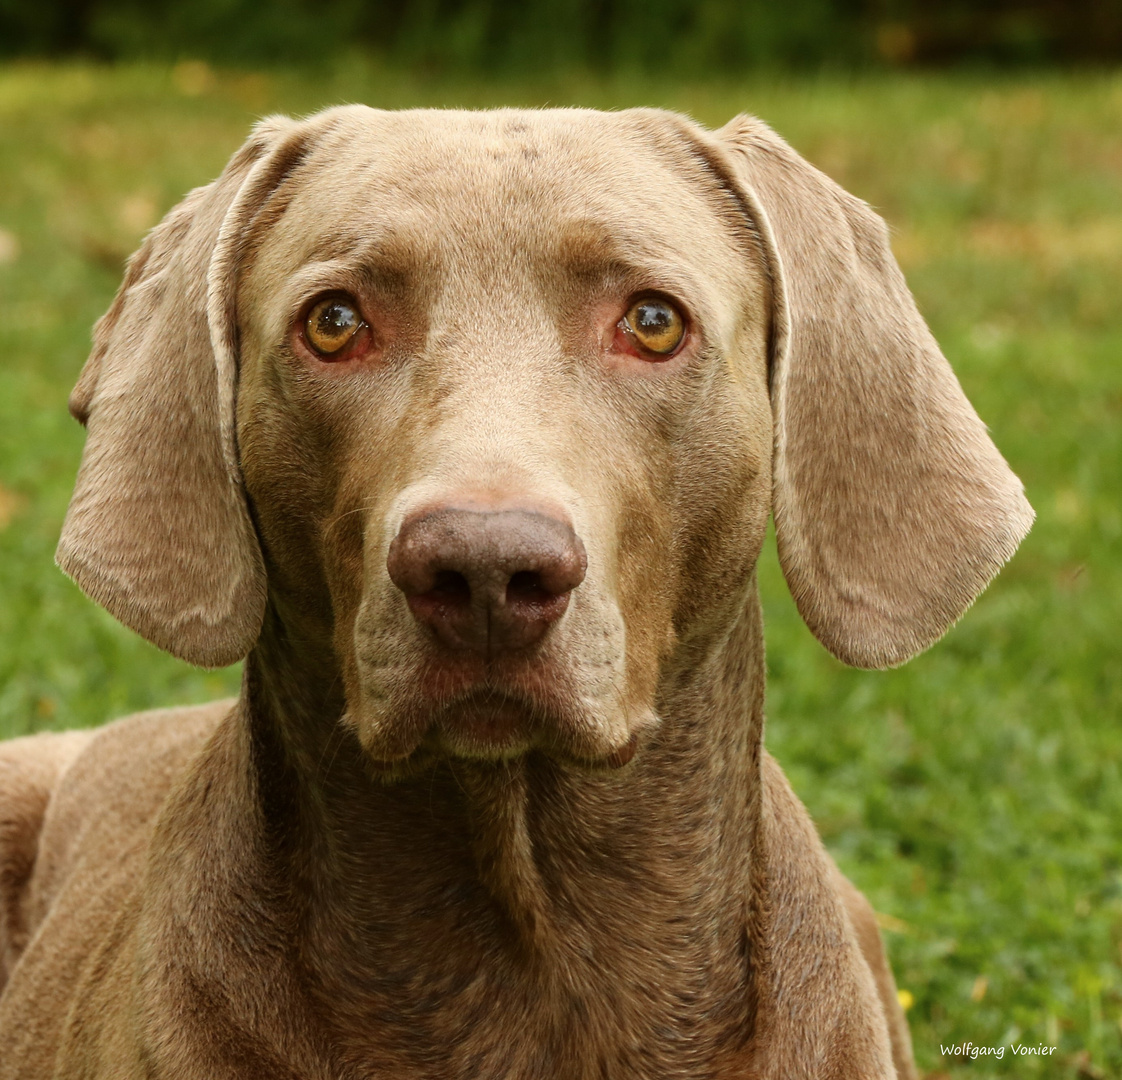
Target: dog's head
<point x="498" y="404"/>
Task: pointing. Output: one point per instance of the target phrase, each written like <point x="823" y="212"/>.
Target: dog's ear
<point x="158" y="529"/>
<point x="893" y="509"/>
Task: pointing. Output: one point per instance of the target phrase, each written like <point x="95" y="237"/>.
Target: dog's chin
<point x="487" y="725"/>
<point x="491" y="724"/>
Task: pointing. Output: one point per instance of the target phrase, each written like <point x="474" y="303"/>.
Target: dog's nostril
<point x="451" y="588"/>
<point x="526" y="587"/>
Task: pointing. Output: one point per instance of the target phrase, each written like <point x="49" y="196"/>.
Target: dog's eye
<point x="655" y="324"/>
<point x="331" y="324"/>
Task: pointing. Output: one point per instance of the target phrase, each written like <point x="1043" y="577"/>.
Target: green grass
<point x="974" y="794"/>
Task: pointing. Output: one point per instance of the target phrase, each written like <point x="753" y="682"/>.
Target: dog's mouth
<point x="487" y="723"/>
<point x="487" y="712"/>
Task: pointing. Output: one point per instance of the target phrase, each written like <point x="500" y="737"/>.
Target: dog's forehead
<point x="461" y="179"/>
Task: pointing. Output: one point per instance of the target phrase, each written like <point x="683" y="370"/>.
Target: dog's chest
<point x="653" y="1001"/>
<point x="622" y="1033"/>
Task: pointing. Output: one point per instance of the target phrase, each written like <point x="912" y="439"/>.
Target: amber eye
<point x="656" y="324"/>
<point x="331" y="324"/>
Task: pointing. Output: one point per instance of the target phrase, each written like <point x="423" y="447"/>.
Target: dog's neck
<point x="527" y="894"/>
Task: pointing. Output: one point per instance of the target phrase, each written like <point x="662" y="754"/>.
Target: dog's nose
<point x="486" y="581"/>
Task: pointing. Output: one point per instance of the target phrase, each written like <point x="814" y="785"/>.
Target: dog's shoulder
<point x="108" y="800"/>
<point x="83" y="798"/>
<point x="823" y="949"/>
<point x="30" y="769"/>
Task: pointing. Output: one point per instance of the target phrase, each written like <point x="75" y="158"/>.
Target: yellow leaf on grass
<point x="10" y="505"/>
<point x="9" y="247"/>
<point x="891" y="923"/>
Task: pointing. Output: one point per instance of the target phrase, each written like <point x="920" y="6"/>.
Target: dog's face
<point x="516" y="346"/>
<point x="493" y="407"/>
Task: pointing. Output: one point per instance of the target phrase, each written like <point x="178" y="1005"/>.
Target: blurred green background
<point x="974" y="794"/>
<point x="665" y="36"/>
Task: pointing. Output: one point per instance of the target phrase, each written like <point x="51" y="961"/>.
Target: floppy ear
<point x="893" y="509"/>
<point x="158" y="529"/>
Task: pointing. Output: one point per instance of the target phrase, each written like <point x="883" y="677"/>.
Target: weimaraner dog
<point x="463" y="430"/>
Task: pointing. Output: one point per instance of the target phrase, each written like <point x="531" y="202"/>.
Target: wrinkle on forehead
<point x="508" y="202"/>
<point x="504" y="170"/>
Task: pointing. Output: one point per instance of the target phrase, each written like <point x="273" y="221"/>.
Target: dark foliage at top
<point x="675" y="36"/>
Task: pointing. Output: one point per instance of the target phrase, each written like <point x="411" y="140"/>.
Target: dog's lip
<point x="485" y="722"/>
<point x="447" y="680"/>
<point x="463" y="706"/>
<point x="495" y="721"/>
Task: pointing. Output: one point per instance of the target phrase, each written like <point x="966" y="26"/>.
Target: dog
<point x="463" y="430"/>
